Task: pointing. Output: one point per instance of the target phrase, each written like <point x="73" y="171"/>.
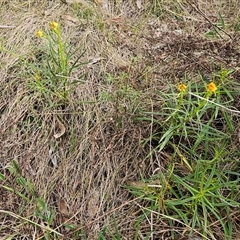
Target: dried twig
<point x="5" y="26"/>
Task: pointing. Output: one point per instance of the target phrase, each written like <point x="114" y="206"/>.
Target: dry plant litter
<point x="119" y="119"/>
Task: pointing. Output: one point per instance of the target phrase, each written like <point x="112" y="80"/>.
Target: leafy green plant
<point x="194" y="199"/>
<point x="188" y="126"/>
<point x="22" y="187"/>
<point x="46" y="215"/>
<point x="50" y="73"/>
<point x="189" y="119"/>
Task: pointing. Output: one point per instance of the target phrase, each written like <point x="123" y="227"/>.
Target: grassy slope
<point x="134" y="51"/>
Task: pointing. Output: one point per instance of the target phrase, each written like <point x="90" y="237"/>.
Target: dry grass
<point x="80" y="175"/>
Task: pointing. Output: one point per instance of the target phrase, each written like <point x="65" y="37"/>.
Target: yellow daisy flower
<point x="39" y="33"/>
<point x="211" y="87"/>
<point x="182" y="87"/>
<point x="54" y="25"/>
<point x="37" y="77"/>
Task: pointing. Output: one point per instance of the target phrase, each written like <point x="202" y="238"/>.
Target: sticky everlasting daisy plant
<point x="195" y="127"/>
<point x="56" y="68"/>
<point x="187" y="109"/>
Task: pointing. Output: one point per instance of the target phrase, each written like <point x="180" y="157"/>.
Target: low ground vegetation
<point x="119" y="120"/>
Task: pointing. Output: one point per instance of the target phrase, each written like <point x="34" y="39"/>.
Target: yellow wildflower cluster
<point x="211" y="87"/>
<point x="54" y="26"/>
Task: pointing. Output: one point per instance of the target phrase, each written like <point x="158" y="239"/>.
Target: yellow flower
<point x="54" y="25"/>
<point x="39" y="33"/>
<point x="211" y="87"/>
<point x="182" y="87"/>
<point x="37" y="77"/>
